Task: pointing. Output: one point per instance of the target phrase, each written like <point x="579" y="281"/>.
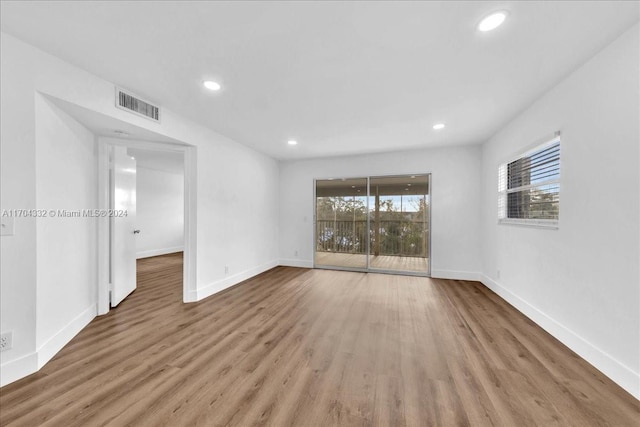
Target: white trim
<point x="156" y="252"/>
<point x="103" y="229"/>
<point x="189" y="256"/>
<point x="455" y="275"/>
<point x="531" y="186"/>
<point x="296" y="263"/>
<point x="61" y="338"/>
<point x="190" y="296"/>
<point x="552" y="224"/>
<point x="18" y="368"/>
<point x="313" y="241"/>
<point x="220" y="285"/>
<point x="621" y="374"/>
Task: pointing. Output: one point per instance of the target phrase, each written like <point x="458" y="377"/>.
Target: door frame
<point x="190" y="205"/>
<point x="368" y="268"/>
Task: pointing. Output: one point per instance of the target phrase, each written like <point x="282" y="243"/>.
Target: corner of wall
<point x="17" y="369"/>
<point x="624" y="376"/>
<point x="55" y="343"/>
<point x="220" y="285"/>
<point x="456" y="275"/>
<point x="301" y="263"/>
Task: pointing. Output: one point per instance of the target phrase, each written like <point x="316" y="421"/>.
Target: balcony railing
<point x="397" y="237"/>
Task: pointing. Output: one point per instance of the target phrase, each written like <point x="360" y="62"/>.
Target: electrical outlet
<point x="6" y="226"/>
<point x="226" y="269"/>
<point x="295" y="254"/>
<point x="6" y="340"/>
<point x="498" y="274"/>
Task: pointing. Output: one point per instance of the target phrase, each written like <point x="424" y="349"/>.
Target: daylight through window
<point x="529" y="187"/>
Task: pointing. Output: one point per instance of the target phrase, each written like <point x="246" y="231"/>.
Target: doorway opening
<point x="379" y="224"/>
<point x="112" y="132"/>
<point x="148" y="187"/>
<point x="160" y="217"/>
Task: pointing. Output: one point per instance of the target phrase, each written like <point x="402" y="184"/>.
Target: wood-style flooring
<point x="380" y="262"/>
<point x="298" y="347"/>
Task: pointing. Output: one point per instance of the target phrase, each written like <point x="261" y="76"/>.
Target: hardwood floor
<point x="297" y="347"/>
<point x="381" y="262"/>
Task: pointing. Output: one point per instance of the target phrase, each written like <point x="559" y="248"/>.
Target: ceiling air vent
<point x="131" y="103"/>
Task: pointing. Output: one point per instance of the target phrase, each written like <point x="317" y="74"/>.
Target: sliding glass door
<point x="341" y="223"/>
<point x="374" y="224"/>
<point x="399" y="226"/>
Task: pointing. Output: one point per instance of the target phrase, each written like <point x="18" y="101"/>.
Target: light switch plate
<point x="6" y="226"/>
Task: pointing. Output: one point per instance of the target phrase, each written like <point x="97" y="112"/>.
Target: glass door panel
<point x="341" y="223"/>
<point x="399" y="223"/>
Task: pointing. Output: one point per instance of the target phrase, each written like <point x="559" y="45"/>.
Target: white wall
<point x="160" y="212"/>
<point x="455" y="237"/>
<point x="17" y="190"/>
<point x="237" y="202"/>
<point x="580" y="282"/>
<point x="66" y="179"/>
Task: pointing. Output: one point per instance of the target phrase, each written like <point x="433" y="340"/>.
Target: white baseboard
<point x="54" y="344"/>
<point x="33" y="362"/>
<point x="296" y="263"/>
<point x="191" y="296"/>
<point x="18" y="368"/>
<point x="220" y="285"/>
<point x="436" y="274"/>
<point x="455" y="275"/>
<point x="156" y="252"/>
<point x="621" y="374"/>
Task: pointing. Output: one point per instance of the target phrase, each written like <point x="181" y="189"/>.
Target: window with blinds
<point x="529" y="187"/>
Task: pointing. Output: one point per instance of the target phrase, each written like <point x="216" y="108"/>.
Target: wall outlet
<point x="6" y="341"/>
<point x="295" y="254"/>
<point x="497" y="274"/>
<point x="6" y="226"/>
<point x="226" y="269"/>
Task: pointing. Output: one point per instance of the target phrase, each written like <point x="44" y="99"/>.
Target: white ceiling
<point x="339" y="77"/>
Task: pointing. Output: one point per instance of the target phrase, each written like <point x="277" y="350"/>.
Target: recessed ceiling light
<point x="211" y="85"/>
<point x="492" y="21"/>
<point x="438" y="126"/>
<point x="292" y="142"/>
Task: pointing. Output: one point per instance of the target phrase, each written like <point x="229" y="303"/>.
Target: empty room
<point x="320" y="213"/>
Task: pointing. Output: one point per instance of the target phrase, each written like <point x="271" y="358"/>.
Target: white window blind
<point x="529" y="187"/>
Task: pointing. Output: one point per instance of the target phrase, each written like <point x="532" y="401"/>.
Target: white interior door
<point x="123" y="232"/>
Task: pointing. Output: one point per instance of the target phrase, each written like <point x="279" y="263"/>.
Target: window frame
<point x="503" y="190"/>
